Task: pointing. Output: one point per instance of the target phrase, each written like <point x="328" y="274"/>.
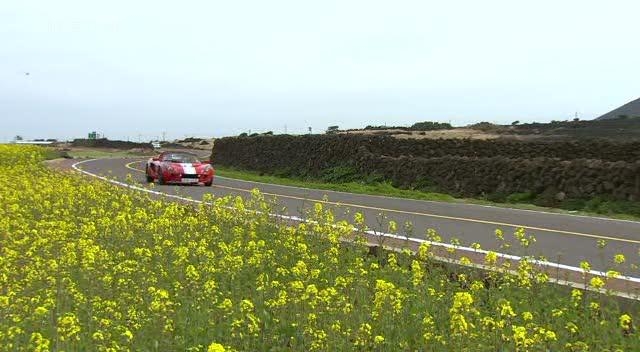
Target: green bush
<point x="573" y="204"/>
<point x="547" y="198"/>
<point x="498" y="197"/>
<point x="430" y="126"/>
<point x="523" y="197"/>
<point x="603" y="205"/>
<point x="341" y="174"/>
<point x="423" y="184"/>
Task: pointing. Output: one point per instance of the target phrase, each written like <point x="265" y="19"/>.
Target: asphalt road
<point x="561" y="238"/>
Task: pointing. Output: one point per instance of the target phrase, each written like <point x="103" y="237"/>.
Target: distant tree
<point x="18" y="138"/>
<point x="516" y="122"/>
<point x="430" y="126"/>
<point x="483" y="126"/>
<point x="332" y="129"/>
<point x="268" y="133"/>
<point x="576" y="119"/>
<point x="243" y="134"/>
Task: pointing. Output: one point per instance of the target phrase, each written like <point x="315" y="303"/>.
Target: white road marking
<point x="547" y="264"/>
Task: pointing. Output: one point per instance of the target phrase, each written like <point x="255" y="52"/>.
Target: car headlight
<point x="207" y="168"/>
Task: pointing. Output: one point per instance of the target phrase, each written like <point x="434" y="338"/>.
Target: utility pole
<point x="285" y="129"/>
<point x="309" y="129"/>
<point x="164" y="136"/>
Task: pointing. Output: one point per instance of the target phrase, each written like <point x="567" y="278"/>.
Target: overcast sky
<point x="214" y="68"/>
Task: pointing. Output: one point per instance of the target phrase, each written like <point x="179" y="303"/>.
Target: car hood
<point x="188" y="167"/>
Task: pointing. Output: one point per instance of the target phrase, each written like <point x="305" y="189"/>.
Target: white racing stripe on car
<point x="188" y="169"/>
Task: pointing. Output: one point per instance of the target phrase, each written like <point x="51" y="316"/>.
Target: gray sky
<point x="214" y="68"/>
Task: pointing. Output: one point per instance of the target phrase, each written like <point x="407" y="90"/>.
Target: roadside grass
<point x="52" y="153"/>
<point x="595" y="207"/>
<point x="376" y="188"/>
<point x="87" y="265"/>
<point x="93" y="153"/>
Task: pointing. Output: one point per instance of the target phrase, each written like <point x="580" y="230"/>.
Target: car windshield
<point x="181" y="158"/>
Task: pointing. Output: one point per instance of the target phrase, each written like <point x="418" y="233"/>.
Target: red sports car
<point x="179" y="167"/>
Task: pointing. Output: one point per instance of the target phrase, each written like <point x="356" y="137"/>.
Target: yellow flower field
<point x="86" y="265"/>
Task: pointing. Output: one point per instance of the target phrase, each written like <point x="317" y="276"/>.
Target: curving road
<point x="561" y="238"/>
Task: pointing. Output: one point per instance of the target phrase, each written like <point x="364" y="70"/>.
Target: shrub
<point x="522" y="197"/>
<point x="430" y="126"/>
<point x="340" y="174"/>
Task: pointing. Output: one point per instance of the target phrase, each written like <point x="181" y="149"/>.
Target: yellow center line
<point x="447" y="217"/>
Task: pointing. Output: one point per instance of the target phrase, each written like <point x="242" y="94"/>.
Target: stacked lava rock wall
<point x="576" y="169"/>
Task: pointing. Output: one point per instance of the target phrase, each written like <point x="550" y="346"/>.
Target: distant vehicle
<point x="179" y="168"/>
<point x="155" y="145"/>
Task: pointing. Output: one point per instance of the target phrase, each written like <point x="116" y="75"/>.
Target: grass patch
<point x="526" y="201"/>
<point x="606" y="206"/>
<point x="374" y="188"/>
<point x="50" y="154"/>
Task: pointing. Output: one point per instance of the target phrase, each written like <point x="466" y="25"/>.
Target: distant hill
<point x="631" y="109"/>
<point x="625" y="128"/>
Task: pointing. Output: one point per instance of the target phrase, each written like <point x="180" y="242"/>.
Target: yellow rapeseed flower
<point x="215" y="347"/>
<point x="39" y="343"/>
<point x="576" y="297"/>
<point x="572" y="327"/>
<point x="423" y="250"/>
<point x="625" y="322"/>
<point x="619" y="258"/>
<point x="491" y="258"/>
<point x="68" y="327"/>
<point x="504" y="307"/>
<point x="584" y="265"/>
<point x="596" y="282"/>
<point x="393" y="226"/>
<point x="520" y="337"/>
<point x="612" y="274"/>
